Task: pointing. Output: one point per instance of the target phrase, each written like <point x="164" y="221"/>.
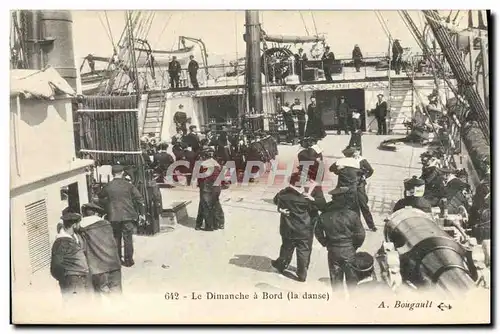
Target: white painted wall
<point x="192" y="107"/>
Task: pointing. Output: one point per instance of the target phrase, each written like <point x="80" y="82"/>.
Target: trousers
<point x="381" y="126"/>
<point x="124" y="230"/>
<point x="340" y="265"/>
<point x="210" y="210"/>
<point x="108" y="283"/>
<point x="302" y="127"/>
<point x="362" y="199"/>
<point x="303" y="247"/>
<point x="342" y="125"/>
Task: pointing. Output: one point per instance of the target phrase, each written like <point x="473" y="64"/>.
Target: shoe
<point x="374" y="229"/>
<point x="276" y="266"/>
<point x="128" y="263"/>
<point x="301" y="279"/>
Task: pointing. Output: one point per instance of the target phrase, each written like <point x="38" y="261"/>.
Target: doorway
<point x="221" y="108"/>
<point x="329" y="100"/>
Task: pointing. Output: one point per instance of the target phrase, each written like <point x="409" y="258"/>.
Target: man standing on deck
<point x="193" y="72"/>
<point x="397" y="56"/>
<point x="328" y="59"/>
<point x="296" y="225"/>
<point x="174" y="71"/>
<point x="343" y="113"/>
<point x="315" y="127"/>
<point x="286" y="112"/>
<point x="68" y="263"/>
<point x="366" y="172"/>
<point x="357" y="57"/>
<point x="300" y="112"/>
<point x="102" y="253"/>
<point x="380" y="112"/>
<point x="339" y="229"/>
<point x="181" y="119"/>
<point x="122" y="199"/>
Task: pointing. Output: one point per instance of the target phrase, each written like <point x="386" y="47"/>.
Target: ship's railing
<point x="311" y="71"/>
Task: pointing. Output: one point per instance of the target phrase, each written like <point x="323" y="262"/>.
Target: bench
<point x="173" y="214"/>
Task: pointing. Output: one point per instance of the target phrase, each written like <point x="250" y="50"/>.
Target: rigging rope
<point x="104" y="27"/>
<point x="304" y="22"/>
<point x="314" y="22"/>
<point x="109" y="28"/>
<point x="163" y="29"/>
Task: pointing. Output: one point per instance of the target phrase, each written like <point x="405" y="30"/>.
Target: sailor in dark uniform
<point x="308" y="158"/>
<point x="366" y="172"/>
<point x="101" y="251"/>
<point x="339" y="229"/>
<point x="363" y="265"/>
<point x="192" y="139"/>
<point x="300" y="112"/>
<point x="181" y="119"/>
<point x="434" y="186"/>
<point x="343" y="109"/>
<point x="414" y="192"/>
<point x="315" y="127"/>
<point x="356" y="131"/>
<point x="162" y="160"/>
<point x="210" y="209"/>
<point x="456" y="192"/>
<point x="286" y="112"/>
<point x="68" y="263"/>
<point x="296" y="224"/>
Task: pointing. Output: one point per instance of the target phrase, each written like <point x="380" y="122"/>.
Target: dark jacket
<point x="349" y="175"/>
<point x="174" y="66"/>
<point x="193" y="66"/>
<point x="68" y="258"/>
<point x="339" y="226"/>
<point x="397" y="49"/>
<point x="356" y="53"/>
<point x="163" y="160"/>
<point x="122" y="200"/>
<point x="298" y="109"/>
<point x="101" y="251"/>
<point x="381" y="109"/>
<point x="366" y="169"/>
<point x="343" y="110"/>
<point x="298" y="224"/>
<point x="192" y="140"/>
<point x="415" y="202"/>
<point x="210" y="183"/>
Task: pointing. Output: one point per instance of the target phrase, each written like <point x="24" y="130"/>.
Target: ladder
<point x="401" y="98"/>
<point x="153" y="118"/>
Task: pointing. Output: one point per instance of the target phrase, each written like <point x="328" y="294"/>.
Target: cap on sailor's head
<point x="413" y="182"/>
<point x="94" y="207"/>
<point x="71" y="217"/>
<point x="117" y="169"/>
<point x="363" y="262"/>
<point x="349" y="151"/>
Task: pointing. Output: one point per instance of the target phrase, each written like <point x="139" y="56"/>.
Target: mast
<point x="254" y="79"/>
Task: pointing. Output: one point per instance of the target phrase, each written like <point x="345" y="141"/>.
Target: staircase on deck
<point x="401" y="102"/>
<point x="153" y="118"/>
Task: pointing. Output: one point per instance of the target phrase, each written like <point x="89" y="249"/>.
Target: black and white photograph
<point x="250" y="167"/>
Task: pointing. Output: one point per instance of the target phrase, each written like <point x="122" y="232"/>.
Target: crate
<point x="173" y="214"/>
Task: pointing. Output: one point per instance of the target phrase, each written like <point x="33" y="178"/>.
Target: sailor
<point x="310" y="158"/>
<point x="193" y="72"/>
<point x="339" y="229"/>
<point x="122" y="201"/>
<point x="286" y="112"/>
<point x="210" y="209"/>
<point x="356" y="132"/>
<point x="456" y="192"/>
<point x="414" y="192"/>
<point x="300" y="112"/>
<point x="174" y="71"/>
<point x="315" y="127"/>
<point x="192" y="139"/>
<point x="397" y="56"/>
<point x="162" y="160"/>
<point x="68" y="263"/>
<point x="357" y="57"/>
<point x="181" y="119"/>
<point x="343" y="112"/>
<point x="144" y="149"/>
<point x="362" y="198"/>
<point x="296" y="226"/>
<point x="432" y="107"/>
<point x="101" y="251"/>
<point x="298" y="62"/>
<point x="434" y="187"/>
<point x="328" y="58"/>
<point x="380" y="112"/>
<point x="363" y="265"/>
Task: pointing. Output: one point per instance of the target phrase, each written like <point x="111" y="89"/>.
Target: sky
<point x="222" y="31"/>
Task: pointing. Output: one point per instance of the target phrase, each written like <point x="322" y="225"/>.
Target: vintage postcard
<point x="250" y="167"/>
